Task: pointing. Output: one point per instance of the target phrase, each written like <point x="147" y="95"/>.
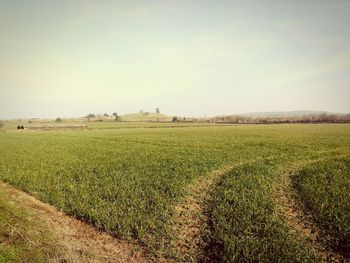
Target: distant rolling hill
<point x="145" y="117"/>
<point x="284" y="113"/>
<point x="284" y="116"/>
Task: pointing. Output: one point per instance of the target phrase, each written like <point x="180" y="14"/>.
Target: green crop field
<point x="128" y="181"/>
<point x="324" y="186"/>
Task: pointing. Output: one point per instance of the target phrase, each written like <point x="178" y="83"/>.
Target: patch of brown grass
<point x="79" y="242"/>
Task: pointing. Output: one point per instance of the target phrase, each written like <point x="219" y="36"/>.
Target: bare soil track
<point x="79" y="241"/>
<point x="300" y="220"/>
<point x="192" y="220"/>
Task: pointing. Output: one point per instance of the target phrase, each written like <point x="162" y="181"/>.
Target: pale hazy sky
<point x="70" y="58"/>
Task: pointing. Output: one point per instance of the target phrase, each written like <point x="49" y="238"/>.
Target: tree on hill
<point x="116" y="117"/>
<point x="90" y="115"/>
<point x="157" y="111"/>
<point x="106" y="114"/>
<point x="59" y="119"/>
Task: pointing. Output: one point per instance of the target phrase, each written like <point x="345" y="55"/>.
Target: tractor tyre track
<point x="192" y="220"/>
<point x="299" y="219"/>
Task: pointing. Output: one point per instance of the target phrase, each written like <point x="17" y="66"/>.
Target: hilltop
<point x="145" y="116"/>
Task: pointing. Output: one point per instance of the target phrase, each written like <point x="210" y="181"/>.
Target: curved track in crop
<point x="192" y="220"/>
<point x="299" y="219"/>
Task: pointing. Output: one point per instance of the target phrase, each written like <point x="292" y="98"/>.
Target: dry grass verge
<point x="78" y="241"/>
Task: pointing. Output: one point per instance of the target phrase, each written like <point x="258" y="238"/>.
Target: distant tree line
<point x="157" y="111"/>
<point x="116" y="117"/>
<point x="100" y="117"/>
<point x="320" y="118"/>
<point x="90" y="116"/>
